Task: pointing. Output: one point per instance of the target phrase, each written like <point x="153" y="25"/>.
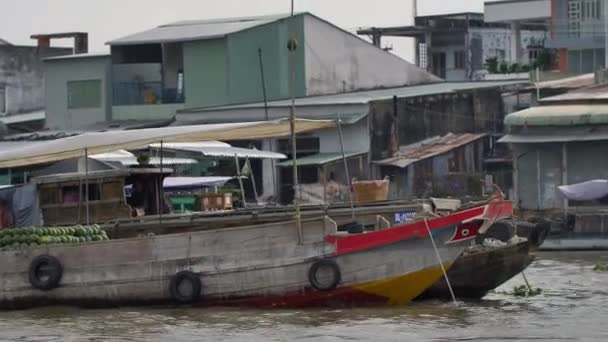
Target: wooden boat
<point x="482" y="269"/>
<point x="272" y="265"/>
<point x="306" y="262"/>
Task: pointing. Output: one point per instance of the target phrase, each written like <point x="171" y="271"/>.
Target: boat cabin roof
<point x="64" y="177"/>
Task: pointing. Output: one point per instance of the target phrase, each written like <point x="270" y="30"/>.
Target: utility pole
<point x="292" y="45"/>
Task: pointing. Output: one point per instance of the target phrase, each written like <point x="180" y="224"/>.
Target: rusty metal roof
<point x="429" y="148"/>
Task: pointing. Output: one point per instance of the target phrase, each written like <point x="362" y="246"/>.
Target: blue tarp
<point x="23" y="201"/>
<point x="585" y="191"/>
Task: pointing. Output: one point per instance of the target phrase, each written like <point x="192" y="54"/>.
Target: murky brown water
<point x="573" y="307"/>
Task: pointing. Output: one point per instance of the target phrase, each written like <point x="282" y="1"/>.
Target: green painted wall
<point x="205" y="70"/>
<point x="146" y="112"/>
<point x="227" y="71"/>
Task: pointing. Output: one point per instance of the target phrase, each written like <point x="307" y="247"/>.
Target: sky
<point x="105" y="20"/>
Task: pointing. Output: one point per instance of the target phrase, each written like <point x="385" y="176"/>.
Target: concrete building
<point x="78" y="89"/>
<point x="207" y="63"/>
<point x="22" y="91"/>
<point x="562" y="141"/>
<point x="449" y="165"/>
<point x="578" y="32"/>
<point x="456" y="46"/>
<point x="374" y="124"/>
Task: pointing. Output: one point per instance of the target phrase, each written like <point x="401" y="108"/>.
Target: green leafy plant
<point x="525" y="291"/>
<point x="600" y="267"/>
<point x="492" y="65"/>
<point x="514" y="68"/>
<point x="503" y="68"/>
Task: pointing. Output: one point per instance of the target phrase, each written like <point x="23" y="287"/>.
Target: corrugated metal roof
<point x="21" y="118"/>
<point x="572" y="82"/>
<point x="195" y="30"/>
<point x="320" y="159"/>
<point x="364" y="97"/>
<point x="428" y="148"/>
<point x="127" y="158"/>
<point x="560" y="115"/>
<point x="557" y="135"/>
<point x="80" y="55"/>
<point x="220" y="149"/>
<point x="599" y="92"/>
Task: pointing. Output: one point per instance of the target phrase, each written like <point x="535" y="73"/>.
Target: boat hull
<point x="474" y="274"/>
<point x="265" y="265"/>
<point x="138" y="271"/>
<point x="581" y="243"/>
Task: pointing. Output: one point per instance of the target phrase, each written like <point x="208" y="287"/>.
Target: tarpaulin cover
<point x="103" y="142"/>
<point x="586" y="191"/>
<point x="23" y="201"/>
<point x="170" y="183"/>
<point x="219" y="149"/>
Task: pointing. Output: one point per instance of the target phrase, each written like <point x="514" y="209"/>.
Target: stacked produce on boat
<point x="36" y="236"/>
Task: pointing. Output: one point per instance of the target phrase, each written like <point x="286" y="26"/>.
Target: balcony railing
<point x="142" y="93"/>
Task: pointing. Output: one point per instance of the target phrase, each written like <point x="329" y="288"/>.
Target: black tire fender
<point x="174" y="287"/>
<point x="45" y="272"/>
<point x="314" y="269"/>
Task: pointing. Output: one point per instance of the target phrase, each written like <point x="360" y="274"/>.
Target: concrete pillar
<point x="376" y="38"/>
<point x="269" y="171"/>
<point x="515" y="43"/>
<point x="428" y="41"/>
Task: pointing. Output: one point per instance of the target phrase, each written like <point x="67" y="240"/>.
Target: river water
<point x="573" y="307"/>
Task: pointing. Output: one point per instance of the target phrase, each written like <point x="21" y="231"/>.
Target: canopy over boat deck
<point x="104" y="142"/>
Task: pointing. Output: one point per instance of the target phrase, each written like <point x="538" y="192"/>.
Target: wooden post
<point x="86" y="184"/>
<point x="324" y="175"/>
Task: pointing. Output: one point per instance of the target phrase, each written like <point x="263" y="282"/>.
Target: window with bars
<point x="589" y="10"/>
<point x="459" y="62"/>
<point x="2" y="99"/>
<point x="423" y="58"/>
<point x="84" y="94"/>
<point x="574" y="18"/>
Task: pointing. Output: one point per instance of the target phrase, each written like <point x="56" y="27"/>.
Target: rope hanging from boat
<point x="445" y="274"/>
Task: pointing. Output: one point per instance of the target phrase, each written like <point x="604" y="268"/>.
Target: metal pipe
<point x="538" y="179"/>
<point x="86" y="184"/>
<point x="346" y="170"/>
<point x="263" y="85"/>
<point x="267" y="117"/>
<point x="161" y="188"/>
